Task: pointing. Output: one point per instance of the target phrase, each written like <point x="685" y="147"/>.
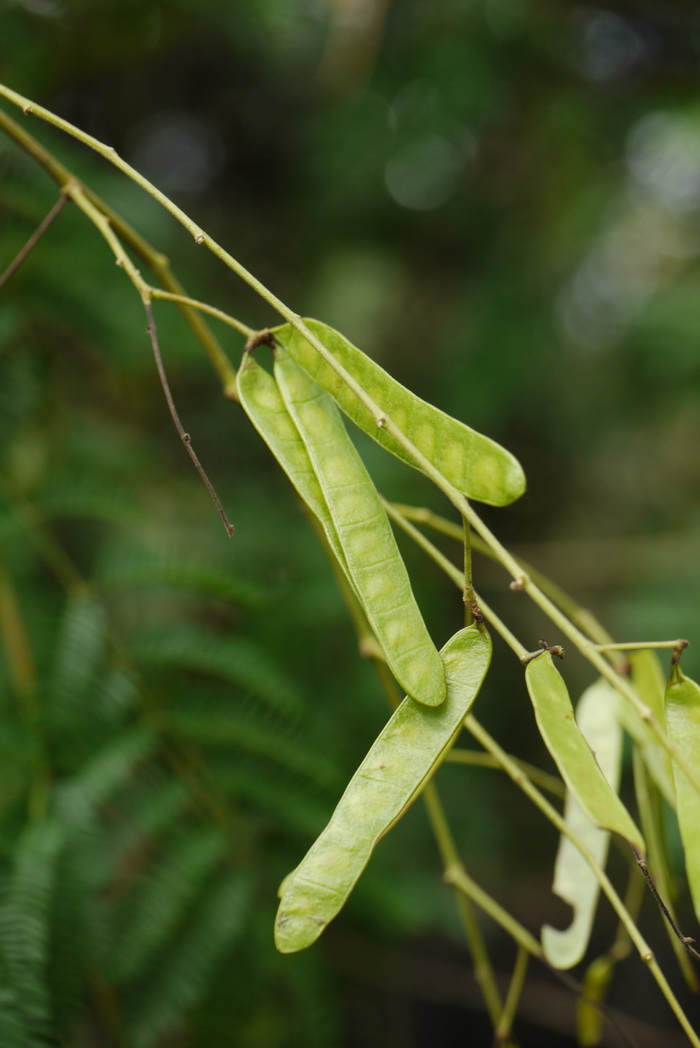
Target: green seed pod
<point x="369" y="552"/>
<point x="262" y="402"/>
<point x="471" y="462"/>
<point x="682" y="702"/>
<point x="574" y="881"/>
<point x="572" y="754"/>
<point x="401" y="761"/>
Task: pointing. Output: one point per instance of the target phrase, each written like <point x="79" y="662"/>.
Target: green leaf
<point x="402" y="759"/>
<point x="683" y="726"/>
<point x="572" y="754"/>
<point x="574" y="881"/>
<point x="473" y="463"/>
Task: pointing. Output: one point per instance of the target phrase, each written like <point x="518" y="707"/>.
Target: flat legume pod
<point x="370" y="555"/>
<point x="572" y="754"/>
<point x="476" y="465"/>
<point x="574" y="881"/>
<point x="400" y="762"/>
<point x="649" y="681"/>
<point x="262" y="402"/>
<point x="682" y="702"/>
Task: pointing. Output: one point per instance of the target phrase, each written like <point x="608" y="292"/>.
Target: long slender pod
<point x="398" y="765"/>
<point x="473" y="463"/>
<point x="262" y="402"/>
<point x="649" y="681"/>
<point x="572" y="754"/>
<point x="574" y="881"/>
<point x="683" y="725"/>
<point x="370" y="555"/>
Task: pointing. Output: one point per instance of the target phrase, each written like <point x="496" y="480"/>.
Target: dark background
<point x="499" y="200"/>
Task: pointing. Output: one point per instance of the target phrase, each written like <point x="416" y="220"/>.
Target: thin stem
<point x="470" y="607"/>
<point x="184" y="436"/>
<point x="203" y="307"/>
<point x="578" y="615"/>
<point x="457" y="577"/>
<point x="453" y="865"/>
<point x="144" y="290"/>
<point x="517" y="931"/>
<point x="587" y="648"/>
<point x="556" y="819"/>
<point x="684" y="940"/>
<point x="155" y="260"/>
<point x="22" y="672"/>
<point x="644" y="645"/>
<point x="20" y="663"/>
<point x="634" y="896"/>
<point x="479" y="759"/>
<point x="649" y="812"/>
<point x="517" y="984"/>
<point x="33" y="240"/>
<point x="55" y="557"/>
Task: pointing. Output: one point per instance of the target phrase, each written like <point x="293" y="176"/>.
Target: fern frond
<point x="163" y="897"/>
<point x="77" y="797"/>
<point x="75" y="926"/>
<point x="229" y="657"/>
<point x="89" y="690"/>
<point x="14" y="1033"/>
<point x="80" y="648"/>
<point x="145" y="806"/>
<point x="278" y="799"/>
<point x="224" y="722"/>
<point x="258" y="998"/>
<point x="181" y="974"/>
<point x="125" y="568"/>
<point x="116" y="693"/>
<point x="25" y="918"/>
<point x="16" y="751"/>
<point x="90" y="495"/>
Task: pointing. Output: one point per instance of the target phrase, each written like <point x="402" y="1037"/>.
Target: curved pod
<point x="370" y="555"/>
<point x="476" y="465"/>
<point x="401" y="760"/>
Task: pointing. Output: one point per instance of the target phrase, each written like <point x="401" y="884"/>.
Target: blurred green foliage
<point x="500" y="200"/>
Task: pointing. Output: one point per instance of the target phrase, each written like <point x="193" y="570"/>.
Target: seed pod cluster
<point x="295" y="410"/>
